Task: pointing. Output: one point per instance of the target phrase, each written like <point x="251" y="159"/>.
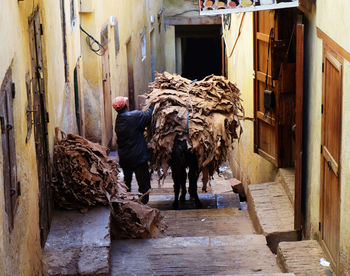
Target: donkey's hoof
<point x="183" y="198"/>
<point x="198" y="204"/>
<point x="176" y="205"/>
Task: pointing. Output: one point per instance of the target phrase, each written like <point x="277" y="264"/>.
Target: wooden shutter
<point x="266" y="131"/>
<point x="41" y="119"/>
<point x="274" y="55"/>
<point x="11" y="189"/>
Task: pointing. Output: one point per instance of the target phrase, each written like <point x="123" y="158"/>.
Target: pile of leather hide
<point x="86" y="177"/>
<point x="205" y="113"/>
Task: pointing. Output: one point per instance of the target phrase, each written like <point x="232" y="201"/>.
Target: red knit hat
<point x="119" y="103"/>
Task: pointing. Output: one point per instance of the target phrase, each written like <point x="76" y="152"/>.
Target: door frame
<point x="298" y="158"/>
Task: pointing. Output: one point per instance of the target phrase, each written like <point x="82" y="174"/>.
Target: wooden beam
<point x="194" y="20"/>
<point x="299" y="78"/>
<point x="262" y="37"/>
<point x="334" y="45"/>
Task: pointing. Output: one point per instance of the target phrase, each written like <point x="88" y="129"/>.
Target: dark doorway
<point x="201" y="52"/>
<point x="201" y="57"/>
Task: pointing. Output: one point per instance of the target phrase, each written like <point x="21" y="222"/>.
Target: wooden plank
<point x="331" y="141"/>
<point x="329" y="158"/>
<point x="194" y="20"/>
<point x="5" y="86"/>
<point x="261" y="76"/>
<point x="29" y="110"/>
<point x="269" y="120"/>
<point x="262" y="37"/>
<point x="334" y="45"/>
<point x="265" y="130"/>
<point x="12" y="147"/>
<point x="267" y="156"/>
<point x="40" y="125"/>
<point x="299" y="78"/>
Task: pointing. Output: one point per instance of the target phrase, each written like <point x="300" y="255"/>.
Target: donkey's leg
<point x="179" y="178"/>
<point x="193" y="175"/>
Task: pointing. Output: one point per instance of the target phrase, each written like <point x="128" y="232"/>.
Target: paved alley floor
<point x="218" y="239"/>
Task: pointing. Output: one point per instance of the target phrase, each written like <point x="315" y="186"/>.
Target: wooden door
<point x="11" y="186"/>
<point x="330" y="152"/>
<point x="298" y="215"/>
<point x="41" y="118"/>
<point x="266" y="130"/>
<point x="106" y="82"/>
<point x="275" y="68"/>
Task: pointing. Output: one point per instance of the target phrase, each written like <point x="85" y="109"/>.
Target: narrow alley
<point x="174" y="137"/>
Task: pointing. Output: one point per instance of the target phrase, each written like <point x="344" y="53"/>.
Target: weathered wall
<point x="331" y="18"/>
<point x="133" y="18"/>
<point x="20" y="251"/>
<point x="182" y="8"/>
<point x="246" y="165"/>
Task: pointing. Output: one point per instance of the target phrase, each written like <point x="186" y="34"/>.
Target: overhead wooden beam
<point x="194" y="20"/>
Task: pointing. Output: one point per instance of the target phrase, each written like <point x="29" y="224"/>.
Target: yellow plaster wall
<point x="170" y="53"/>
<point x="132" y="17"/>
<point x="20" y="250"/>
<point x="246" y="165"/>
<point x="182" y="8"/>
<point x="331" y="18"/>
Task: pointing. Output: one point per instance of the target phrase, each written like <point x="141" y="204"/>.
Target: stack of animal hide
<point x="205" y="113"/>
<point x="87" y="177"/>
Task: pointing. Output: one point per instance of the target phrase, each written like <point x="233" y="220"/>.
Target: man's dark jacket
<point x="130" y="127"/>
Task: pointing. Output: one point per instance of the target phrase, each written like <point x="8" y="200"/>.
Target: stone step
<point x="286" y="177"/>
<point x="270" y="208"/>
<point x="213" y="222"/>
<point x="208" y="200"/>
<point x="216" y="255"/>
<point x="78" y="244"/>
<point x="302" y="258"/>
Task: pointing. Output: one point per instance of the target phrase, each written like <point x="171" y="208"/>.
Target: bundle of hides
<point x="86" y="177"/>
<point x="205" y="113"/>
<point x="135" y="221"/>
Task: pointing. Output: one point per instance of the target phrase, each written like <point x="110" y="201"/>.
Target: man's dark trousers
<point x="143" y="178"/>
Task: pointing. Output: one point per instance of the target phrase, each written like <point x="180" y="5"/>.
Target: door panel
<point x="40" y="117"/>
<point x="273" y="126"/>
<point x="331" y="134"/>
<point x="266" y="142"/>
<point x="299" y="212"/>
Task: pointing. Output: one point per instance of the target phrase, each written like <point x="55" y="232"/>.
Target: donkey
<point x="181" y="158"/>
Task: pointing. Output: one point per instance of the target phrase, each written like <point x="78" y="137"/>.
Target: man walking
<point x="132" y="147"/>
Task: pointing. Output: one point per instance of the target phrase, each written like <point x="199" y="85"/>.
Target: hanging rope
<point x="238" y="35"/>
